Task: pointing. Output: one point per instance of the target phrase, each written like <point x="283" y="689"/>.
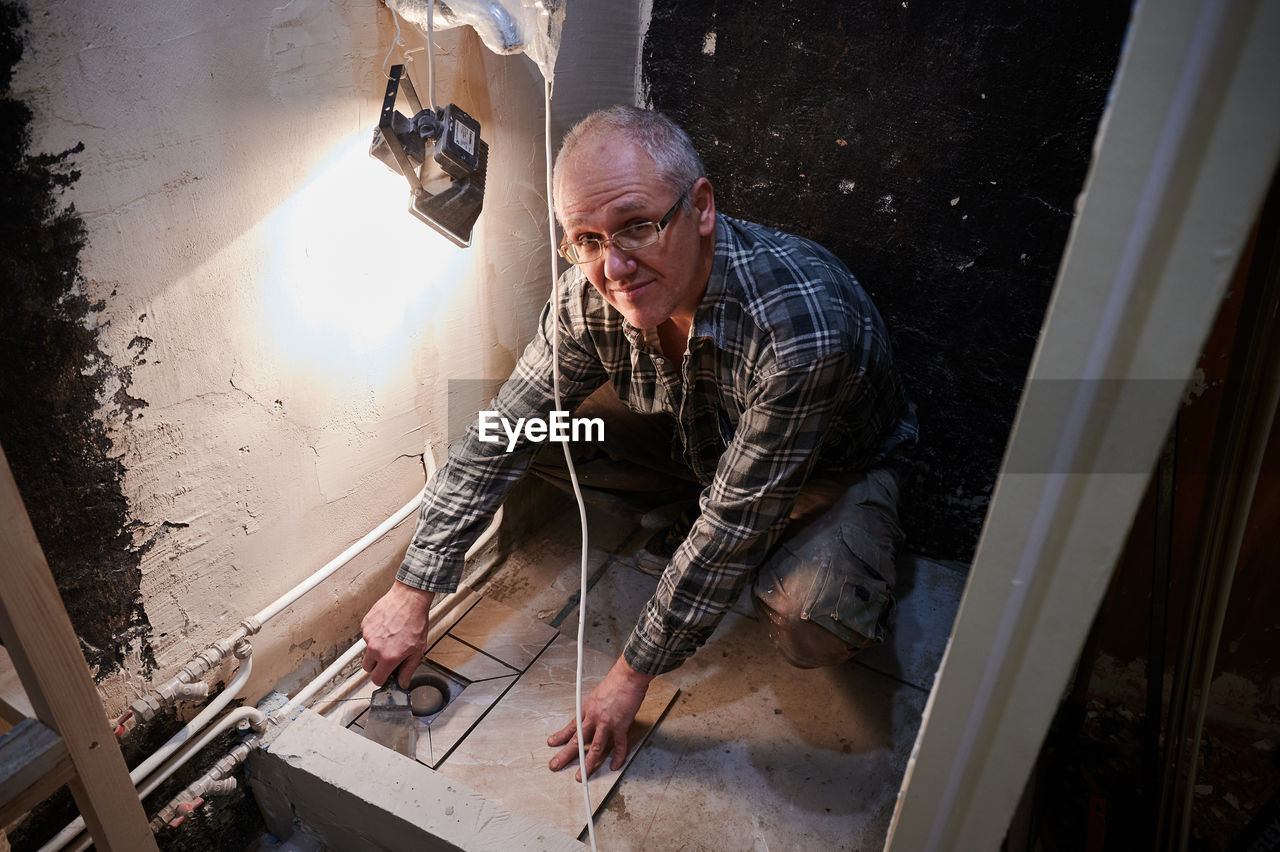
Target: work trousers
<point x="825" y="590"/>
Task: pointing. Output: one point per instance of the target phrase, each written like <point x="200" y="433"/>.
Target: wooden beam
<point x="14" y="705"/>
<point x="33" y="764"/>
<point x="46" y="654"/>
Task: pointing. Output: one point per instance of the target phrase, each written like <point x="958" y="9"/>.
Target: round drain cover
<point x="425" y="700"/>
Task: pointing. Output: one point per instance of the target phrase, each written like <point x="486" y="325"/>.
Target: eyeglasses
<point x="630" y="238"/>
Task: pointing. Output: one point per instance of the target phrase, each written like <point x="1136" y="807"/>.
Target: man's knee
<point x="826" y="591"/>
<point x="802" y="643"/>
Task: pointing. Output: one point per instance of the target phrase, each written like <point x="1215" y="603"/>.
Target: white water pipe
<point x="279" y="604"/>
<point x="308" y="692"/>
<point x="218" y="651"/>
<point x="255" y="717"/>
<point x="215" y="653"/>
<point x="214" y="780"/>
<point x="144" y="769"/>
<point x="146" y="707"/>
<point x="252" y="715"/>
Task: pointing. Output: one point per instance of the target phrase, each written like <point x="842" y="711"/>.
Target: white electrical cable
<point x="398" y="40"/>
<point x="408" y="54"/>
<point x="573" y="478"/>
<point x="431" y="55"/>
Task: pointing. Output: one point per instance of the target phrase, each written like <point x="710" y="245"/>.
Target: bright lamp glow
<point x="353" y="277"/>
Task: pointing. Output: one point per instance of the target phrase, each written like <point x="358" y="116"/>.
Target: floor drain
<point x="432" y="689"/>
<point x="428" y="698"/>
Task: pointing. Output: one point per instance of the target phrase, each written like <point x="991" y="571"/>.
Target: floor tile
<point x="438" y="735"/>
<point x="614" y="604"/>
<point x="753" y="754"/>
<point x="436" y="738"/>
<point x="503" y="633"/>
<point x="466" y="661"/>
<point x="505" y="756"/>
<point x="928" y="594"/>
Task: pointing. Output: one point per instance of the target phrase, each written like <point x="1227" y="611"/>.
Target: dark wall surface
<point x="938" y="149"/>
<point x="52" y="375"/>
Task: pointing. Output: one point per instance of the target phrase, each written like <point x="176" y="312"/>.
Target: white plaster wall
<point x="302" y="327"/>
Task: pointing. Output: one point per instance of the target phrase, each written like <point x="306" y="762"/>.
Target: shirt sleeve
<point x="466" y="491"/>
<point x="744" y="510"/>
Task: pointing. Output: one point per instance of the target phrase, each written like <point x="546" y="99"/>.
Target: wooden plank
<point x="14" y="704"/>
<point x="44" y="649"/>
<point x="33" y="763"/>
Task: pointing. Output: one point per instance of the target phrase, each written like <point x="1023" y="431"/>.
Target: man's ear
<point x="703" y="199"/>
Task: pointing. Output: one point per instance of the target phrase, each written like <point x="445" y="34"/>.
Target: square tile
<point x="753" y="754"/>
<point x="505" y="756"/>
<point x="439" y="733"/>
<point x="467" y="662"/>
<point x="437" y="737"/>
<point x="503" y="633"/>
<point x="614" y="604"/>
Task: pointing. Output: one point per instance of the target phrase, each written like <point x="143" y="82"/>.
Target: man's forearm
<point x="624" y="673"/>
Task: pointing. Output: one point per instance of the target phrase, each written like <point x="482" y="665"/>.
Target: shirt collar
<point x="708" y="320"/>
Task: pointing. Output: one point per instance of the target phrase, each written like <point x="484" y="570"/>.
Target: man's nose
<point x="617" y="263"/>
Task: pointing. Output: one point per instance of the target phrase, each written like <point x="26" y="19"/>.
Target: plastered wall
<point x="286" y="333"/>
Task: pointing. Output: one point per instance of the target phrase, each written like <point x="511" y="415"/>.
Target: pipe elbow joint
<point x="145" y="708"/>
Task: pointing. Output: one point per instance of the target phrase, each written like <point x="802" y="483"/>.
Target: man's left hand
<point x="607" y="714"/>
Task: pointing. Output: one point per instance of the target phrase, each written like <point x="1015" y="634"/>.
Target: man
<point x="730" y="362"/>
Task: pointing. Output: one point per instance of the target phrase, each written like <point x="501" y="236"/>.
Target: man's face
<point x="609" y="184"/>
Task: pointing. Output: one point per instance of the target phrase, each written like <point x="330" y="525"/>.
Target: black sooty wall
<point x="938" y="149"/>
<point x="53" y="378"/>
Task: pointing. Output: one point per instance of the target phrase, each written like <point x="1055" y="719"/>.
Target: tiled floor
<point x="754" y="754"/>
<point x="506" y="755"/>
<point x="517" y="679"/>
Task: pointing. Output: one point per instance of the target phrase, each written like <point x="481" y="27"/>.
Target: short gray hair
<point x="674" y="158"/>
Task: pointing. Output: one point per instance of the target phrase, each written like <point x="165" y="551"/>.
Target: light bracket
<point x="447" y="188"/>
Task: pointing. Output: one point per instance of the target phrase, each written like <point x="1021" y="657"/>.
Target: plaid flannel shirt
<point x="788" y="371"/>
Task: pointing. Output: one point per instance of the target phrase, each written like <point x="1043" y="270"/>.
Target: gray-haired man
<point x="737" y="368"/>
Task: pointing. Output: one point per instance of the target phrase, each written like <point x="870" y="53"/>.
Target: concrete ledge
<point x="357" y="795"/>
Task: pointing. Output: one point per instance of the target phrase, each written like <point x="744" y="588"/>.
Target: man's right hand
<point x="395" y="633"/>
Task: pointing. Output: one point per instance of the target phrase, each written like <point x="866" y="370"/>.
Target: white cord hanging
<point x="573" y="478"/>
